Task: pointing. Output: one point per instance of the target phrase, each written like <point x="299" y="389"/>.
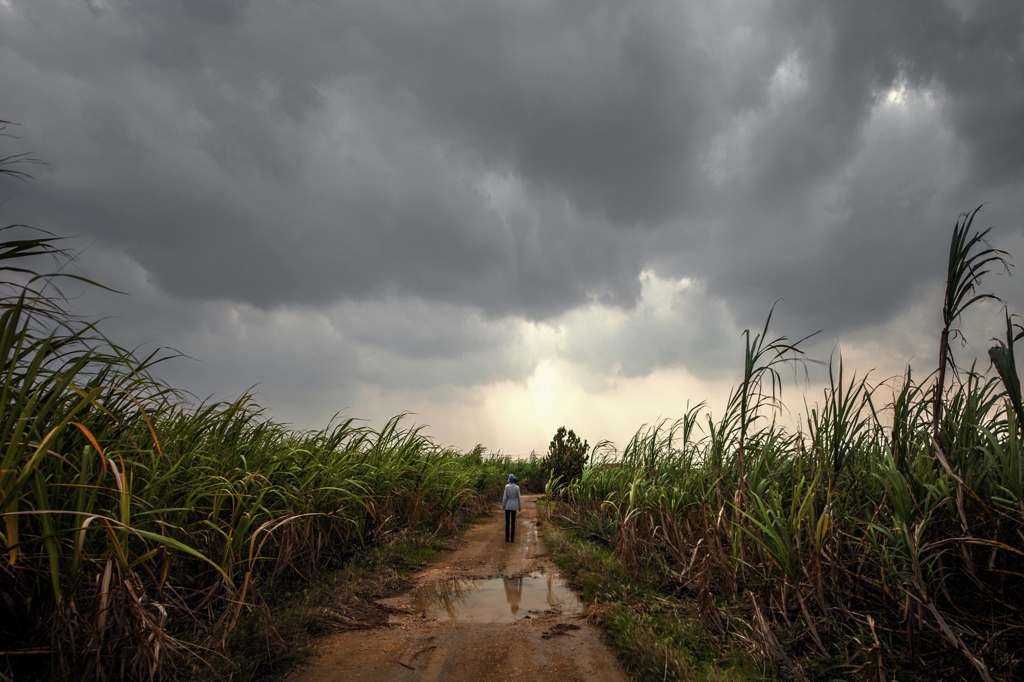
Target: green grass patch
<point x="407" y="554"/>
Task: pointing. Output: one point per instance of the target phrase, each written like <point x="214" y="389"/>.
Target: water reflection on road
<point x="494" y="600"/>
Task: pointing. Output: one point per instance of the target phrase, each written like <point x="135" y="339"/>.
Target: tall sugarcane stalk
<point x="970" y="258"/>
<point x="1005" y="363"/>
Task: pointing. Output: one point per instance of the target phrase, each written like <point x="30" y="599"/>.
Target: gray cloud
<point x="674" y="324"/>
<point x="844" y="206"/>
<point x="499" y="159"/>
<point x="308" y="362"/>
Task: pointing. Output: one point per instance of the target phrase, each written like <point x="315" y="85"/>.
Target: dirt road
<point x="490" y="610"/>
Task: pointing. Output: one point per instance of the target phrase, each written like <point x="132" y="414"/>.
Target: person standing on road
<point x="511" y="503"/>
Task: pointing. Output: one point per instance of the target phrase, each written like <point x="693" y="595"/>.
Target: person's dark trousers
<point x="510" y="525"/>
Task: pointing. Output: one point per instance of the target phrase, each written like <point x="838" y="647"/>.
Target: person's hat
<point x="511" y="478"/>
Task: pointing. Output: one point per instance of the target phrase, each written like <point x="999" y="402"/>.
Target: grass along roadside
<point x="142" y="535"/>
<point x="880" y="540"/>
<point x="656" y="636"/>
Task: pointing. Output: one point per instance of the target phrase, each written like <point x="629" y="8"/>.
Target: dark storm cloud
<point x="310" y="363"/>
<point x="216" y="159"/>
<point x="522" y="157"/>
<point x="899" y="184"/>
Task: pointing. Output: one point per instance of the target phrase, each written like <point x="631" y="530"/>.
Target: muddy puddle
<point x="495" y="600"/>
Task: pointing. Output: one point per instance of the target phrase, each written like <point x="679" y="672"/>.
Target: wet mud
<point x="489" y="610"/>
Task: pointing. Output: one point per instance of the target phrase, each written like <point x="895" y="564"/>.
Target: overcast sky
<point x="505" y="216"/>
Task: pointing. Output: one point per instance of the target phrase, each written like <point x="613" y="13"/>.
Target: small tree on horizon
<point x="567" y="455"/>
